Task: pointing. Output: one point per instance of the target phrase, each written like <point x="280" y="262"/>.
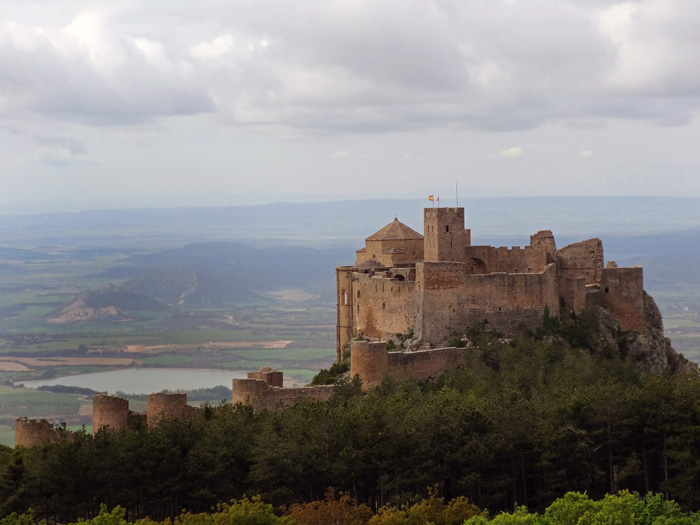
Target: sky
<point x="217" y="102"/>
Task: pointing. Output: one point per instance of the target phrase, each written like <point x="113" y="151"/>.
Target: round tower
<point x="369" y="361"/>
<point x="32" y="432"/>
<point x="109" y="412"/>
<point x="162" y="406"/>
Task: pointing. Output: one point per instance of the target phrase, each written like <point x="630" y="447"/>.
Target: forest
<point x="526" y="421"/>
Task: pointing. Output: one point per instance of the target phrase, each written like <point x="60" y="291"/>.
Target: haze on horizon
<point x="211" y="103"/>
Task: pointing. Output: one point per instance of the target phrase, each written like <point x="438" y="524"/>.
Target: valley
<point x="243" y="287"/>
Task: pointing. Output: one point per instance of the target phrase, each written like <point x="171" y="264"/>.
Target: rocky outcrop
<point x="649" y="348"/>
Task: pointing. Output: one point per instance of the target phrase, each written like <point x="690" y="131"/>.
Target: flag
<point x="430" y="198"/>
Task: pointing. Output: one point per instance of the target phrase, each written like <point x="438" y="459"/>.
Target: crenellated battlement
<point x="456" y="285"/>
<point x="260" y="393"/>
<point x="33" y="432"/>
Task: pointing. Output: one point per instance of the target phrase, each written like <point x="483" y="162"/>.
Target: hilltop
<point x="186" y="285"/>
<point x="111" y="303"/>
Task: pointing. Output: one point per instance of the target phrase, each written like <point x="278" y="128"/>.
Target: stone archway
<point x="476" y="266"/>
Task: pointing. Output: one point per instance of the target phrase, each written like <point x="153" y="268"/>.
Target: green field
<point x="16" y="402"/>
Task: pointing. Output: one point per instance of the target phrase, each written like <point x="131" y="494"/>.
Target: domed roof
<point x="395" y="231"/>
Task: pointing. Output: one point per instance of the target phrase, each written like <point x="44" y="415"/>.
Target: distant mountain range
<point x="347" y="223"/>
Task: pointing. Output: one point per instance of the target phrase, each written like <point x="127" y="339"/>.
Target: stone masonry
<point x="436" y="292"/>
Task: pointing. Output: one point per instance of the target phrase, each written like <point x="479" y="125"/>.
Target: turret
<point x="109" y="412"/>
<point x="163" y="406"/>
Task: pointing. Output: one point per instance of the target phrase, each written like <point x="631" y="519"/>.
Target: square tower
<point x="444" y="236"/>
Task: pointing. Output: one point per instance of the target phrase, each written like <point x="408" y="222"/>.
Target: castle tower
<point x="369" y="361"/>
<point x="163" y="406"/>
<point x="109" y="412"/>
<point x="344" y="313"/>
<point x="444" y="235"/>
<point x="32" y="432"/>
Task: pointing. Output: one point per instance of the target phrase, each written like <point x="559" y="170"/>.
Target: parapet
<point x="33" y="432"/>
<point x="267" y="374"/>
<point x="162" y="406"/>
<point x="370" y="361"/>
<point x="261" y="394"/>
<point x="109" y="412"/>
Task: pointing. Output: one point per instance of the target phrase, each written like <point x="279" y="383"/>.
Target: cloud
<point x="217" y="48"/>
<point x="585" y="154"/>
<point x="511" y="153"/>
<point x="89" y="72"/>
<point x="361" y="67"/>
<point x="340" y="155"/>
<point x="60" y="151"/>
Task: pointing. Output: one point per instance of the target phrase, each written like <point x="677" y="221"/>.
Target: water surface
<point x="145" y="380"/>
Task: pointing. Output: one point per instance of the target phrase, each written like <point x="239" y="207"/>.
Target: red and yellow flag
<point x="430" y="198"/>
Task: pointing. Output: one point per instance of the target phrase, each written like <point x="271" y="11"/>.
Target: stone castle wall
<point x="573" y="291"/>
<point x="391" y="252"/>
<point x="508" y="302"/>
<point x="270" y="376"/>
<point x="109" y="412"/>
<point x="162" y="406"/>
<point x="621" y="292"/>
<point x="344" y="320"/>
<point x="530" y="259"/>
<point x="262" y="396"/>
<point x="582" y="259"/>
<point x="33" y="432"/>
<point x="371" y="362"/>
<point x="383" y="307"/>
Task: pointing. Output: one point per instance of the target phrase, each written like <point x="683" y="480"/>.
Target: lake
<point x="145" y="380"/>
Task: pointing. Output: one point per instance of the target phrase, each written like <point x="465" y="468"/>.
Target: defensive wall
<point x="162" y="406"/>
<point x="621" y="292"/>
<point x="383" y="305"/>
<point x="34" y="432"/>
<point x="371" y="362"/>
<point x="453" y="301"/>
<point x="263" y="392"/>
<point x="517" y="259"/>
<point x="456" y="285"/>
<point x="582" y="259"/>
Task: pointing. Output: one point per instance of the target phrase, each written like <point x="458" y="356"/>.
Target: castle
<point x="436" y="285"/>
<point x="431" y="287"/>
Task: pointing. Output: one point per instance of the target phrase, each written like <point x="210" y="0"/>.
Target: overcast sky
<point x="164" y="102"/>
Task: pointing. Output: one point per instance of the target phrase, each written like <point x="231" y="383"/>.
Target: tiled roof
<point x="395" y="231"/>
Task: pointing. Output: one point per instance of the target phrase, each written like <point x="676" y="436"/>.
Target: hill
<point x="111" y="303"/>
<point x="187" y="285"/>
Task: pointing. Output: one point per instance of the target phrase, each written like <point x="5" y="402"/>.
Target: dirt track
<point x="159" y="349"/>
<point x="63" y="361"/>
